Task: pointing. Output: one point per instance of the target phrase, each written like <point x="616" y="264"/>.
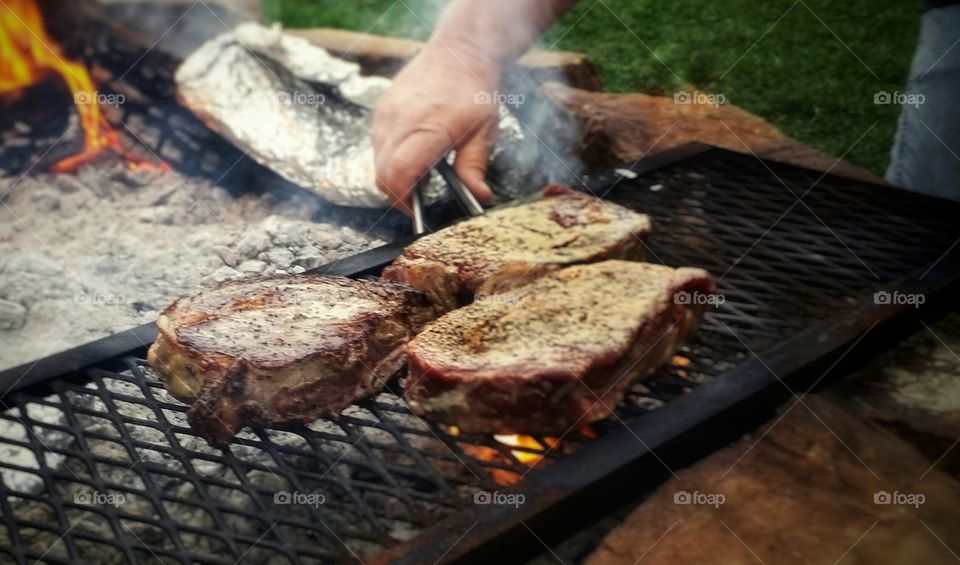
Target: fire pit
<point x="103" y="185"/>
<point x="100" y="465"/>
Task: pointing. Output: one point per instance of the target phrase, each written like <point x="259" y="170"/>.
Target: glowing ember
<point x="530" y="453"/>
<point x="28" y="55"/>
<point x="529" y="444"/>
<point x="679" y="361"/>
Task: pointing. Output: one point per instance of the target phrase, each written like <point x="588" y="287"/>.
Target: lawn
<point x="811" y="67"/>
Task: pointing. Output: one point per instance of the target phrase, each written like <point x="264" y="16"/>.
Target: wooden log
<point x="626" y="127"/>
<point x="817" y="486"/>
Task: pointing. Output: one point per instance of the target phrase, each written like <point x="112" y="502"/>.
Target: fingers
<point x="399" y="169"/>
<point x="471" y="162"/>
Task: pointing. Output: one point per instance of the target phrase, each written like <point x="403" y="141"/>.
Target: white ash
<point x="85" y="256"/>
<point x="15" y="429"/>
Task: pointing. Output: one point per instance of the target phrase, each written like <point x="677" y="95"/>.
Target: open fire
<point x="28" y="55"/>
<point x="530" y="451"/>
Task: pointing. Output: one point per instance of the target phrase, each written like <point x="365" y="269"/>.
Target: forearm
<point x="496" y="30"/>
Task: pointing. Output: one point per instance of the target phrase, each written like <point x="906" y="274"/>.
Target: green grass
<point x="814" y="83"/>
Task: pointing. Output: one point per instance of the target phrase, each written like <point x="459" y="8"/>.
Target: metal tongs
<point x="459" y="190"/>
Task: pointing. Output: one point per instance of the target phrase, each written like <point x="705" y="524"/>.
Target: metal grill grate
<point x="71" y="446"/>
<point x="112" y="462"/>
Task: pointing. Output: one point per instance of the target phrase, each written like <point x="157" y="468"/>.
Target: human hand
<point x="440" y="101"/>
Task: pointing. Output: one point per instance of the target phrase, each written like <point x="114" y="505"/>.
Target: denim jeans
<point x="926" y="150"/>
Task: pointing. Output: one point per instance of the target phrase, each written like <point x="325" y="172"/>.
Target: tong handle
<point x="459" y="190"/>
<point x="416" y="203"/>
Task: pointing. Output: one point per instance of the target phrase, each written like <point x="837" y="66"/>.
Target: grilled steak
<point x="509" y="247"/>
<point x="556" y="353"/>
<point x="282" y="348"/>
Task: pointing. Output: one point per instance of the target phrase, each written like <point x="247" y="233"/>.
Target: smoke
<point x="547" y="151"/>
<point x="177" y="28"/>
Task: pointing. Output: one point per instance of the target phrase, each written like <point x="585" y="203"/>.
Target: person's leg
<point x="926" y="151"/>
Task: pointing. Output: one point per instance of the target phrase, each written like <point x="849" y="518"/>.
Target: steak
<point x="557" y="353"/>
<point x="285" y="348"/>
<point x="512" y="246"/>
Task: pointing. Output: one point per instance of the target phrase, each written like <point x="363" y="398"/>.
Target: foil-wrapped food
<point x="299" y="111"/>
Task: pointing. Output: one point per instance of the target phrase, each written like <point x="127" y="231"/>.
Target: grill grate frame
<point x="387" y="475"/>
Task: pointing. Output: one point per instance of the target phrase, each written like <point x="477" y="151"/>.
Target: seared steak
<point x="509" y="247"/>
<point x="284" y="348"/>
<point x="556" y="353"/>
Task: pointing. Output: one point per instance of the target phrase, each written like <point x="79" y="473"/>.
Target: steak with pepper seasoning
<point x="280" y="349"/>
<point x="557" y="353"/>
<point x="512" y="246"/>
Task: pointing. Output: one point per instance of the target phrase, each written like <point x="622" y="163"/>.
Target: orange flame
<point x="529" y="444"/>
<point x="527" y="455"/>
<point x="28" y="55"/>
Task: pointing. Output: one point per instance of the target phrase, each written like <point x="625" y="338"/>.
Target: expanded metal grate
<point x="107" y="470"/>
<point x="101" y="465"/>
<point x="789" y="247"/>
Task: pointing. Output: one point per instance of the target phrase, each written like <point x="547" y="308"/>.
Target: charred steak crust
<point x="512" y="246"/>
<point x="554" y="354"/>
<point x="282" y="349"/>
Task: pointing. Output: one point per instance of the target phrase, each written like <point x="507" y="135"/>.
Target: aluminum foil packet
<point x="299" y="111"/>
